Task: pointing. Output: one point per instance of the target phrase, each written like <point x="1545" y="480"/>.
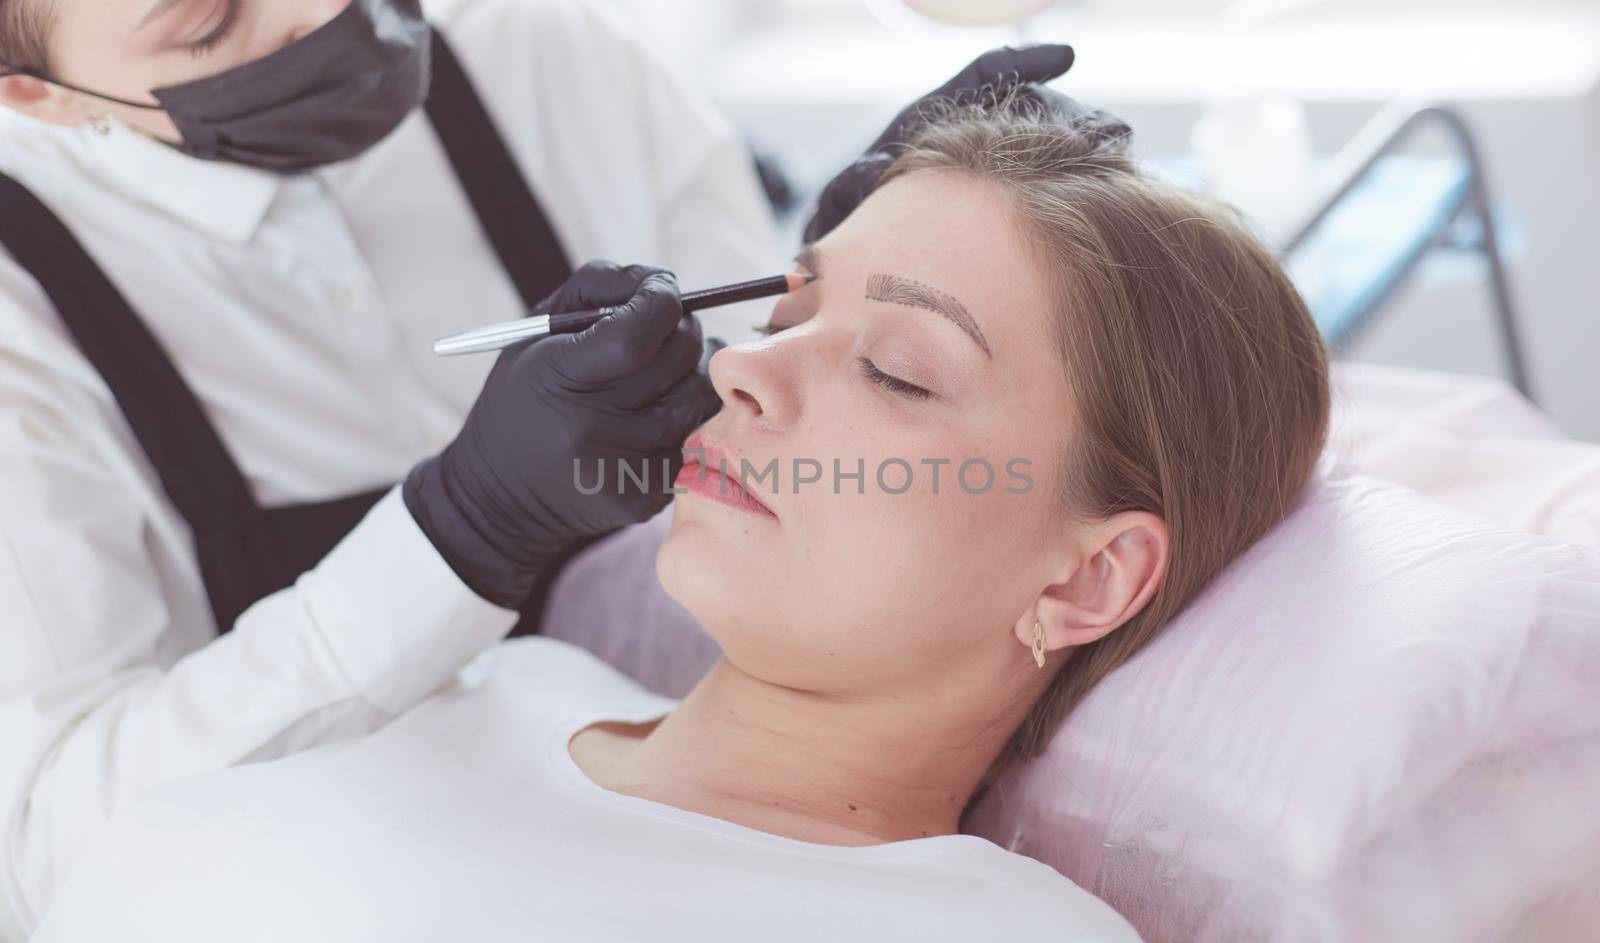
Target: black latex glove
<point x="1003" y="69"/>
<point x="501" y="502"/>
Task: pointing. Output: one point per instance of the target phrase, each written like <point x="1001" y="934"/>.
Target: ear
<point x="41" y="100"/>
<point x="1117" y="568"/>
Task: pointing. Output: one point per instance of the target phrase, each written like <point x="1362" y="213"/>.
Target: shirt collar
<point x="226" y="200"/>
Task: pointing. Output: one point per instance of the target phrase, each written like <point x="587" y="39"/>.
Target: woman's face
<point x="125" y="48"/>
<point x="923" y="345"/>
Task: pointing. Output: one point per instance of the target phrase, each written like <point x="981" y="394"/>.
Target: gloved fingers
<point x="1000" y="68"/>
<point x="1011" y="65"/>
<point x="681" y="410"/>
<point x="678" y="356"/>
<point x="597" y="284"/>
<point x="1052" y="101"/>
<point x="845" y="192"/>
<point x="1068" y="110"/>
<point x="712" y="345"/>
<point x="623" y="342"/>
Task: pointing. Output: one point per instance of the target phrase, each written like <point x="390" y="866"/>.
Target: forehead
<point x="115" y="11"/>
<point x="957" y="234"/>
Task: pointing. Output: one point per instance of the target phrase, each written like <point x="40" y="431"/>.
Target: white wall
<point x="813" y="79"/>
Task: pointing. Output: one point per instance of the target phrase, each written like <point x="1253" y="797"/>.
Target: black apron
<point x="247" y="551"/>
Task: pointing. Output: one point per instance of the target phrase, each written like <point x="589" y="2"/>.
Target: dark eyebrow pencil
<point x="506" y="333"/>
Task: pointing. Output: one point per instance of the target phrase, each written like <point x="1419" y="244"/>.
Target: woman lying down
<point x="1150" y="395"/>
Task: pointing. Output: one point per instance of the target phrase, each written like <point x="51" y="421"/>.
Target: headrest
<point x="1381" y="722"/>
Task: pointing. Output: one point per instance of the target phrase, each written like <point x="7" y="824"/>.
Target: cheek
<point x="90" y="53"/>
<point x="731" y="582"/>
<point x="858" y="579"/>
<point x="944" y="551"/>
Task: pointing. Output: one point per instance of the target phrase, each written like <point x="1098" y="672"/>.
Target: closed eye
<point x="868" y="368"/>
<point x="213" y="39"/>
<point x="893" y="383"/>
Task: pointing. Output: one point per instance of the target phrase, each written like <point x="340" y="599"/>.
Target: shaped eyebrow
<point x="899" y="290"/>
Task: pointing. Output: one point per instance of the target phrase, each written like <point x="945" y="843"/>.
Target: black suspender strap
<point x="245" y="551"/>
<point x="239" y="557"/>
<point x="196" y="470"/>
<point x="504" y="204"/>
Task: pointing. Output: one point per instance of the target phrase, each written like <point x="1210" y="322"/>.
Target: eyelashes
<point x="892" y="383"/>
<point x="868" y="369"/>
<point x="213" y="39"/>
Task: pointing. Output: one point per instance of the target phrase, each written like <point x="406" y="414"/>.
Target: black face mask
<point x="325" y="97"/>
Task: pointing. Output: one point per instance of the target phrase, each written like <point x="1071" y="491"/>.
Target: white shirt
<point x="301" y="311"/>
<point x="467" y="819"/>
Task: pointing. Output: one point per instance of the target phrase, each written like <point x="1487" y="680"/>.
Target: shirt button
<point x="344" y="296"/>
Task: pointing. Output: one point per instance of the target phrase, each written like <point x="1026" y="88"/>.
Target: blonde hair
<point x="25" y="26"/>
<point x="1198" y="378"/>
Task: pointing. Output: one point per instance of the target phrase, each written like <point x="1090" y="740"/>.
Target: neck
<point x="850" y="770"/>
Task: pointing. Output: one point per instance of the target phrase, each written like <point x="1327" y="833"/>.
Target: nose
<point x="758" y="381"/>
<point x="312" y="15"/>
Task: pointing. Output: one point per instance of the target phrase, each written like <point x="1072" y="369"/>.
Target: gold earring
<point x="1038" y="644"/>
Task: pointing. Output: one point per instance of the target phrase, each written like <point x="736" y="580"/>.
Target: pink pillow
<point x="1470" y="442"/>
<point x="1381" y="723"/>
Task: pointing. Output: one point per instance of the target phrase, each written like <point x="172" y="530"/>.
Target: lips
<point x="702" y="475"/>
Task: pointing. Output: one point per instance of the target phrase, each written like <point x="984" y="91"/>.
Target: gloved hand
<point x="501" y="502"/>
<point x="1001" y="69"/>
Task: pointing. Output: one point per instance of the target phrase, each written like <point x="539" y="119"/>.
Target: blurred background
<point x="1307" y="114"/>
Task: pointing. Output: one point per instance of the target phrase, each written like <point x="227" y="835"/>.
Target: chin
<point x="692" y="566"/>
<point x="712" y="572"/>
